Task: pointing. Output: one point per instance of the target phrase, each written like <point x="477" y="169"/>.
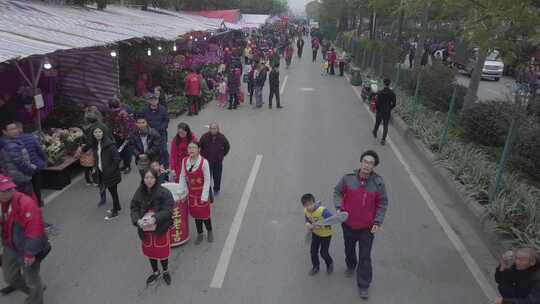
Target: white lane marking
<point x="473" y="267"/>
<point x="226" y="253"/>
<point x="307" y="89"/>
<point x="56" y="194"/>
<point x="284" y="84"/>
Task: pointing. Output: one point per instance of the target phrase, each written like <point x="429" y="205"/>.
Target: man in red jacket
<point x="363" y="195"/>
<point x="24" y="241"/>
<point x="193" y="91"/>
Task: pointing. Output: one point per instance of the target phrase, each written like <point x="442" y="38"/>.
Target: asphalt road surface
<point x="305" y="147"/>
<point x="491" y="90"/>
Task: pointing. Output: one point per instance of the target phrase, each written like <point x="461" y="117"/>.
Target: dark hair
<point x="372" y="154"/>
<point x="7" y="123"/>
<point x="114" y="104"/>
<point x="308" y="197"/>
<point x="189" y="136"/>
<point x="387" y="81"/>
<point x="140" y="116"/>
<point x="156" y="176"/>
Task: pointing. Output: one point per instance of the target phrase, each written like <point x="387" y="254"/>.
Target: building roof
<point x="33" y="28"/>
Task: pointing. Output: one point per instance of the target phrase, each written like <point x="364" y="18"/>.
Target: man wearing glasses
<point x="363" y="195"/>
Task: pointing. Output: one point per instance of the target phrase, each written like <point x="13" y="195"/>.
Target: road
<point x="489" y="89"/>
<point x="305" y="147"/>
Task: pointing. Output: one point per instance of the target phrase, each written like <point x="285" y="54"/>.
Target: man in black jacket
<point x="260" y="80"/>
<point x="214" y="147"/>
<point x="146" y="145"/>
<point x="274" y="87"/>
<point x="385" y="102"/>
<point x="518" y="277"/>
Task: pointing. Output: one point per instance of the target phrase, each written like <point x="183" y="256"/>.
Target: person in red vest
<point x="195" y="180"/>
<point x="193" y="91"/>
<point x="24" y="241"/>
<point x="363" y="195"/>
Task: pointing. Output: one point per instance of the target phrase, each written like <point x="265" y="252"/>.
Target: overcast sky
<point x="298" y="5"/>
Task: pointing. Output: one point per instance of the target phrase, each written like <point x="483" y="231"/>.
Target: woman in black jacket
<point x="151" y="213"/>
<point x="107" y="168"/>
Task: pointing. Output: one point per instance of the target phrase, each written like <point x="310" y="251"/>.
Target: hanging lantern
<point x="149" y="52"/>
<point x="114" y="53"/>
<point x="159" y="48"/>
<point x="47" y="64"/>
<point x="174" y="48"/>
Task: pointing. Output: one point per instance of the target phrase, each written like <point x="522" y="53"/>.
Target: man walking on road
<point x="385" y="102"/>
<point x="260" y="79"/>
<point x="17" y="163"/>
<point x="24" y="241"/>
<point x="300" y="46"/>
<point x="363" y="195"/>
<point x="315" y="48"/>
<point x="274" y="87"/>
<point x="214" y="148"/>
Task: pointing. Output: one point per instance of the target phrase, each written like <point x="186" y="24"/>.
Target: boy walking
<point x="321" y="235"/>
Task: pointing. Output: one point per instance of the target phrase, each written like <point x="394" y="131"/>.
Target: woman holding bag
<point x="179" y="146"/>
<point x="194" y="182"/>
<point x="151" y="213"/>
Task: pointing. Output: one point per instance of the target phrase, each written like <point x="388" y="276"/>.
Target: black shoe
<point x="152" y="278"/>
<point x="7" y="290"/>
<point x="364" y="294"/>
<point x="197" y="113"/>
<point x="383" y="142"/>
<point x="112" y="216"/>
<point x="374" y="134"/>
<point x="270" y="106"/>
<point x="349" y="273"/>
<point x="229" y="108"/>
<point x="330" y="269"/>
<point x="313" y="271"/>
<point x="190" y="114"/>
<point x="279" y="107"/>
<point x="167" y="277"/>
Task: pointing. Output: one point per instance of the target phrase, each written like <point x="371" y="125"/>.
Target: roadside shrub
<point x="487" y="123"/>
<point x="526" y="150"/>
<point x="436" y="86"/>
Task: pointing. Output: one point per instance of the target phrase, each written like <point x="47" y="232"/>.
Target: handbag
<point x="87" y="159"/>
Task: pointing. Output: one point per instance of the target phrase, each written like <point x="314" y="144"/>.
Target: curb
<point x="495" y="242"/>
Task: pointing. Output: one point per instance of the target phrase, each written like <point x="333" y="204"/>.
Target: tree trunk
<point x="474" y="83"/>
<point x="420" y="48"/>
<point x="400" y="24"/>
<point x="101" y="4"/>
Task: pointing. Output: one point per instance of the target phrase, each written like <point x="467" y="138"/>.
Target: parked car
<point x="493" y="66"/>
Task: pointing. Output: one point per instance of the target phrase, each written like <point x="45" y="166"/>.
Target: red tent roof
<point x="231" y="16"/>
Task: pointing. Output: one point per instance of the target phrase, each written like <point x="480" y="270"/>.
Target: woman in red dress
<point x="151" y="213"/>
<point x="179" y="146"/>
<point x="195" y="185"/>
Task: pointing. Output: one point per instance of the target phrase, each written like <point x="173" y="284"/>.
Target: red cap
<point x="6" y="183"/>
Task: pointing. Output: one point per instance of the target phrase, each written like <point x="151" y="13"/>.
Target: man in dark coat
<point x="146" y="144"/>
<point x="37" y="157"/>
<point x="385" y="102"/>
<point x="274" y="87"/>
<point x="260" y="80"/>
<point x="214" y="147"/>
<point x="17" y="162"/>
<point x="518" y="277"/>
<point x="158" y="119"/>
<point x="300" y="46"/>
<point x="233" y="88"/>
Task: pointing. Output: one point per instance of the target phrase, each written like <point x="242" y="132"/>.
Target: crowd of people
<point x="119" y="137"/>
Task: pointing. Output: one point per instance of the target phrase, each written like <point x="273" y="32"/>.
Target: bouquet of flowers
<point x="61" y="142"/>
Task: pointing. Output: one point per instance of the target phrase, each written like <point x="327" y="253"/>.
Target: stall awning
<point x="31" y="28"/>
<point x="253" y="20"/>
<point x="231" y="16"/>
